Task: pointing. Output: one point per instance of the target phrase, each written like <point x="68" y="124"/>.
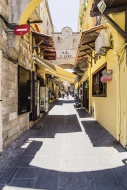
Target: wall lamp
<point x="101" y="6"/>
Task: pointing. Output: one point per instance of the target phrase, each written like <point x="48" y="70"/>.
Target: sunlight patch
<point x="59" y="110"/>
<point x="69" y="153"/>
<point x="18" y="188"/>
<point x="87" y="119"/>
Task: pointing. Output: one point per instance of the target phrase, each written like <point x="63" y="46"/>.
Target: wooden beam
<point x="116" y="9"/>
<point x="84" y="50"/>
<point x="108" y="11"/>
<point x="89" y="54"/>
<point x="40" y="42"/>
<point x="115" y="25"/>
<point x="95" y="13"/>
<point x="90" y="47"/>
<point x="87" y="60"/>
<point x="88" y="42"/>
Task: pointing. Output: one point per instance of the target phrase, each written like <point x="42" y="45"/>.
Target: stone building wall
<point x="12" y="125"/>
<point x="66" y="44"/>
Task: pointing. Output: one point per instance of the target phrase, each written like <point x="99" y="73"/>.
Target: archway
<point x="28" y="11"/>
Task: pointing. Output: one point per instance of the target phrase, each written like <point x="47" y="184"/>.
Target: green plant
<point x="84" y="5"/>
<point x="82" y="9"/>
<point x="97" y="91"/>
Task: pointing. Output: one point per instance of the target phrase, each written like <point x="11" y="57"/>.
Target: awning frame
<point x="89" y="46"/>
<point x="44" y="41"/>
<point x="54" y="70"/>
<point x="92" y="32"/>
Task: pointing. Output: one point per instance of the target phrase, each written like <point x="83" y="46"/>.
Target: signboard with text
<point x="66" y="54"/>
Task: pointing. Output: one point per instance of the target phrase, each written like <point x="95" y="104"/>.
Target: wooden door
<point x="86" y="94"/>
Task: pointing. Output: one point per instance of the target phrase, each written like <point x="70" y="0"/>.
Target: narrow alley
<point x="65" y="150"/>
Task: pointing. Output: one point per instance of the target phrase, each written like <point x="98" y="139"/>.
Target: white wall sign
<point x="66" y="53"/>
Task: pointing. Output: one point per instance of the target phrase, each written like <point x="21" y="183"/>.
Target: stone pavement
<point x="65" y="150"/>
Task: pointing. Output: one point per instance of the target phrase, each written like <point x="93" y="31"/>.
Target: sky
<point x="64" y="13"/>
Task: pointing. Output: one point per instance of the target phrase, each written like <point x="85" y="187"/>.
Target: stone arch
<point x="67" y="31"/>
<point x="28" y="11"/>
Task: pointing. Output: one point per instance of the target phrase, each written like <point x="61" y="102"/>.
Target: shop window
<point x="23" y="90"/>
<point x="99" y="88"/>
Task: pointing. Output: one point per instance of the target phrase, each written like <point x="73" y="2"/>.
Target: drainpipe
<point x="118" y="99"/>
<point x="118" y="103"/>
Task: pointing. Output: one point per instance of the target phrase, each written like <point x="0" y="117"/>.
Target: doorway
<point x="86" y="94"/>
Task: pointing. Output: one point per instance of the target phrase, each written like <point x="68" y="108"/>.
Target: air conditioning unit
<point x="103" y="42"/>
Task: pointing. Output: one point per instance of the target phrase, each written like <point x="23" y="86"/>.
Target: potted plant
<point x="97" y="92"/>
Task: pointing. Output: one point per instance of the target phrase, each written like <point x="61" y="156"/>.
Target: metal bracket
<point x="109" y="72"/>
<point x="8" y="31"/>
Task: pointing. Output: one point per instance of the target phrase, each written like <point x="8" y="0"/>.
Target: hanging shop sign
<point x="21" y="29"/>
<point x="50" y="55"/>
<point x="106" y="78"/>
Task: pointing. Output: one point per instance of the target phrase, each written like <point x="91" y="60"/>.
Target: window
<point x="23" y="90"/>
<point x="99" y="88"/>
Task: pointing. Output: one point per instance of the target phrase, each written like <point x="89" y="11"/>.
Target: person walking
<point x="63" y="94"/>
<point x="67" y="95"/>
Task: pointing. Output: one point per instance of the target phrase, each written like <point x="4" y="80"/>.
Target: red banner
<point x="50" y="55"/>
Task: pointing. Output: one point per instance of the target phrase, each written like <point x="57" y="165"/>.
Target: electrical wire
<point x="55" y="28"/>
<point x="10" y="25"/>
<point x="117" y="52"/>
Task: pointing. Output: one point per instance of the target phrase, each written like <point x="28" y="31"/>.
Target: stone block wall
<point x="12" y="125"/>
<point x="66" y="43"/>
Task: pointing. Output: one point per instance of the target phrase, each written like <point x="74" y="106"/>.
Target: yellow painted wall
<point x="105" y="107"/>
<point x="28" y="10"/>
<point x="121" y="82"/>
<point x="110" y="111"/>
<point x="88" y="21"/>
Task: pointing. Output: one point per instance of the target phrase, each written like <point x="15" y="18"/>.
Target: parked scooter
<point x="77" y="101"/>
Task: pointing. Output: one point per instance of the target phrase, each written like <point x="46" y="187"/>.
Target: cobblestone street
<point x="66" y="150"/>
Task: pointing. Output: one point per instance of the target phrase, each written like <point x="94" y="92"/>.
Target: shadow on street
<point x="61" y="156"/>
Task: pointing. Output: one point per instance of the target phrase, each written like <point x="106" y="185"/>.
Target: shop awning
<point x="65" y="75"/>
<point x="54" y="70"/>
<point x="43" y="41"/>
<point x="45" y="64"/>
<point x="87" y="42"/>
